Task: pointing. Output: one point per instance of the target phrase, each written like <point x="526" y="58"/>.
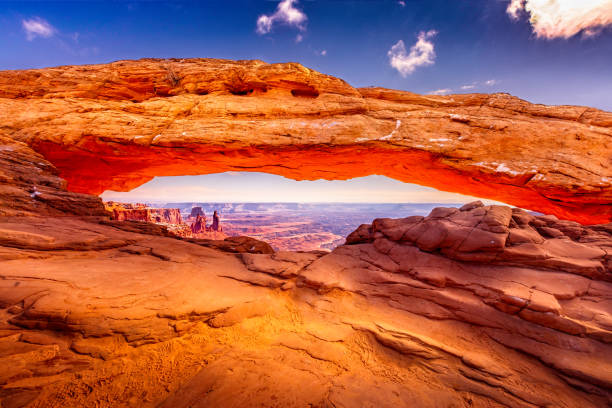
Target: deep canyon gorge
<point x="476" y="306"/>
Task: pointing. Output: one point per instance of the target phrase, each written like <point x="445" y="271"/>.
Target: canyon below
<point x="460" y="306"/>
<point x="285" y="226"/>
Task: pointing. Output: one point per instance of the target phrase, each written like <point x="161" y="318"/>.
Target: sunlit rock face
<point x="199" y="225"/>
<point x="30" y="186"/>
<point x="478" y="306"/>
<point x="116" y="126"/>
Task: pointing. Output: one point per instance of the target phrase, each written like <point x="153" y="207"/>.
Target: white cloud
<point x="421" y="54"/>
<point x="444" y="91"/>
<point x="402" y="3"/>
<point x="475" y="84"/>
<point x="563" y="18"/>
<point x="37" y="27"/>
<point x="299" y="38"/>
<point x="286" y="13"/>
<point x="514" y="8"/>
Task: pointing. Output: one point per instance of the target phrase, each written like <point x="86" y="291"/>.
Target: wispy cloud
<point x="402" y="3"/>
<point x="37" y="27"/>
<point x="287" y="14"/>
<point x="563" y="18"/>
<point x="466" y="87"/>
<point x="68" y="42"/>
<point x="421" y="54"/>
<point x="444" y="91"/>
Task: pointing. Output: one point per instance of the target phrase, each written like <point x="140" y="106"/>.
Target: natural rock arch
<point x="118" y="125"/>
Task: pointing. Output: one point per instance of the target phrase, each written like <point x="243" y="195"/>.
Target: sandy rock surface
<point x="474" y="310"/>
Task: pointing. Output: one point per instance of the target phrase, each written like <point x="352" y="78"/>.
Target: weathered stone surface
<point x="109" y="314"/>
<point x="239" y="244"/>
<point x="118" y="125"/>
<point x="481" y="306"/>
<point x="30" y="186"/>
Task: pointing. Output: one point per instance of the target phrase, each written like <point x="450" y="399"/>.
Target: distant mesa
<point x="142" y="212"/>
<point x="195" y="211"/>
<point x="169" y="217"/>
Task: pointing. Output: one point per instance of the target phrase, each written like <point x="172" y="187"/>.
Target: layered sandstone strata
<point x="466" y="307"/>
<point x="479" y="306"/>
<point x="142" y="212"/>
<point x="30" y="186"/>
<point x="118" y="125"/>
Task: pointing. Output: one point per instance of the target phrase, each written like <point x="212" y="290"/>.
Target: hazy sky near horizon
<point x="544" y="51"/>
<point x="231" y="187"/>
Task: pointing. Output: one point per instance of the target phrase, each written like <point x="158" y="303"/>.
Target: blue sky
<point x="564" y="56"/>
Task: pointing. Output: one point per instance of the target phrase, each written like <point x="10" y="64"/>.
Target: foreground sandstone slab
<point x="471" y="311"/>
<point x="118" y="125"/>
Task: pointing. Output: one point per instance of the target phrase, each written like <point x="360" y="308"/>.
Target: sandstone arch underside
<point x="116" y="126"/>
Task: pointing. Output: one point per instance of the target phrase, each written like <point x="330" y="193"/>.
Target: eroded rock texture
<point x="116" y="126"/>
<point x="142" y="212"/>
<point x="472" y="307"/>
<point x="30" y="186"/>
<point x="481" y="306"/>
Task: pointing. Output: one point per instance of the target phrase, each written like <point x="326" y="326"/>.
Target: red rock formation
<point x="30" y="186"/>
<point x="240" y="244"/>
<point x="199" y="225"/>
<point x="141" y="212"/>
<point x="471" y="307"/>
<point x="126" y="122"/>
<point x="472" y="265"/>
<point x="216" y="225"/>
